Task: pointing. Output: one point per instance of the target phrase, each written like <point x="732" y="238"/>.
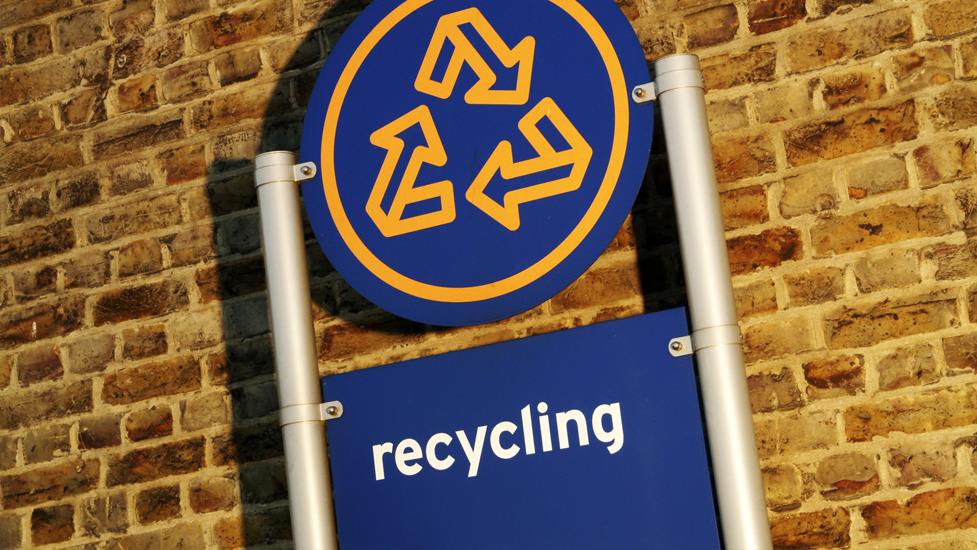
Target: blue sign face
<point x="586" y="438"/>
<point x="475" y="156"/>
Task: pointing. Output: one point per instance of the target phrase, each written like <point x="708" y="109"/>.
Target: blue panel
<point x="640" y="481"/>
<point x="476" y="156"/>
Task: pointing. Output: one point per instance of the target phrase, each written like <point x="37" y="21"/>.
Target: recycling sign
<point x="475" y="156"/>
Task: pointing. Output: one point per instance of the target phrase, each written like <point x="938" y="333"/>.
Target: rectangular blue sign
<point x="585" y="438"/>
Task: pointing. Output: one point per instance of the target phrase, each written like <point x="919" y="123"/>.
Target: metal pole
<point x="299" y="392"/>
<point x="716" y="336"/>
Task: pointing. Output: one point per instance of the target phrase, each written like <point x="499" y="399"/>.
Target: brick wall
<point x="137" y="402"/>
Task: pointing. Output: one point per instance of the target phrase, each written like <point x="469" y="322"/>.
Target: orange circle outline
<point x="544" y="265"/>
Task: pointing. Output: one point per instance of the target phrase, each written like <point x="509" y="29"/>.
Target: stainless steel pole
<point x="716" y="335"/>
<point x="299" y="392"/>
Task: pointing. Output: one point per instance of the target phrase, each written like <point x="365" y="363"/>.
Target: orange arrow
<point x="578" y="156"/>
<point x="393" y="223"/>
<point x="449" y="30"/>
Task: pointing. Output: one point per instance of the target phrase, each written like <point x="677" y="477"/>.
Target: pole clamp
<point x="310" y="412"/>
<point x="705" y="338"/>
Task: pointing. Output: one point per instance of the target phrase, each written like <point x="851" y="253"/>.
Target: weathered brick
<point x="853" y="87"/>
<point x="90" y="353"/>
<point x="45" y="443"/>
<point x="874" y="322"/>
<point x="744" y="207"/>
<point x="199" y="412"/>
<point x="854" y="133"/>
<point x="740" y="158"/>
<point x="140" y="302"/>
<point x="134" y="17"/>
<point x="41" y="321"/>
<point x="103" y="514"/>
<point x="120" y="139"/>
<point x="168" y="377"/>
<point x="249" y="444"/>
<point x="34" y="281"/>
<point x="28" y="204"/>
<point x="966" y="202"/>
<point x="784" y="487"/>
<point x="877" y="176"/>
<point x="145" y="341"/>
<point x="47" y="404"/>
<point x="961" y="353"/>
<point x="77" y="190"/>
<point x="91" y="269"/>
<point x="828" y="528"/>
<point x="84" y="107"/>
<point x="200" y="330"/>
<point x="910" y="366"/>
<point x="790" y="102"/>
<point x="913" y="465"/>
<point x="212" y="494"/>
<point x="237" y="65"/>
<point x="711" y="26"/>
<point x="950" y="17"/>
<point x="263" y="483"/>
<point x="10" y="531"/>
<point x="144" y="52"/>
<point x="149" y="423"/>
<point x="137" y="217"/>
<point x="246" y="318"/>
<point x="38" y="365"/>
<point x="148" y="464"/>
<point x="796" y="432"/>
<point x="158" y="504"/>
<point x="180" y="9"/>
<point x="30" y="43"/>
<point x="78" y="30"/>
<point x="815" y="286"/>
<point x="846" y="476"/>
<point x="191" y="246"/>
<point x="243" y="24"/>
<point x="887" y="269"/>
<point x="231" y="195"/>
<point x="772" y="15"/>
<point x="50" y="76"/>
<point x="15" y="13"/>
<point x="265" y="528"/>
<point x="130" y="176"/>
<point x="929" y="512"/>
<point x="293" y="53"/>
<point x="944" y="161"/>
<point x="31" y="123"/>
<point x="726" y="115"/>
<point x="770" y="248"/>
<point x="140" y="258"/>
<point x="52" y="524"/>
<point x="774" y="391"/>
<point x="776" y="338"/>
<point x="859" y="38"/>
<point x="756" y="298"/>
<point x="878" y="226"/>
<point x="248" y="103"/>
<point x="186" y="81"/>
<point x="48" y="483"/>
<point x="923" y="68"/>
<point x="598" y="287"/>
<point x="758" y="64"/>
<point x="911" y="414"/>
<point x="29" y="160"/>
<point x="835" y="377"/>
<point x="955" y="261"/>
<point x="242" y="361"/>
<point x="97" y="432"/>
<point x="136" y="94"/>
<point x="808" y="193"/>
<point x="968" y="51"/>
<point x="6" y="368"/>
<point x="184" y="164"/>
<point x="955" y="108"/>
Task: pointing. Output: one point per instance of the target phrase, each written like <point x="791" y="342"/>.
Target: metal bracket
<point x="644" y="93"/>
<point x="717" y="336"/>
<point x="310" y="412"/>
<point x="681" y="346"/>
<point x="305" y="171"/>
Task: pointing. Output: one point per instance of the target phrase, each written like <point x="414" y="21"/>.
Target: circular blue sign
<point x="475" y="156"/>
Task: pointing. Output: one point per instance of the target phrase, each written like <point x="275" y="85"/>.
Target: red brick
<point x="929" y="512"/>
<point x="944" y="161"/>
<point x="827" y="528"/>
<point x="911" y="414"/>
<point x="774" y="391"/>
<point x="41" y="321"/>
<point x="158" y="504"/>
<point x="97" y="432"/>
<point x="47" y="483"/>
<point x="148" y="464"/>
<point x="149" y="424"/>
<point x="770" y="248"/>
<point x="950" y="17"/>
<point x="863" y="37"/>
<point x="711" y="26"/>
<point x="847" y="476"/>
<point x="758" y="64"/>
<point x="772" y="15"/>
<point x="52" y="525"/>
<point x="137" y="94"/>
<point x="876" y="227"/>
<point x="835" y="377"/>
<point x="168" y="377"/>
<point x="39" y="365"/>
<point x="78" y="30"/>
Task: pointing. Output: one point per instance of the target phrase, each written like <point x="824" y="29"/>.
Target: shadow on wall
<point x="238" y="281"/>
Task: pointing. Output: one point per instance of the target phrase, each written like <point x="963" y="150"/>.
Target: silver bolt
<point x="639" y="92"/>
<point x="677" y="346"/>
<point x="332" y="410"/>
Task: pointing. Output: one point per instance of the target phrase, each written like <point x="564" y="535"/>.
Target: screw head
<point x="332" y="410"/>
<point x="306" y="170"/>
<point x="676" y="346"/>
<point x="639" y="92"/>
